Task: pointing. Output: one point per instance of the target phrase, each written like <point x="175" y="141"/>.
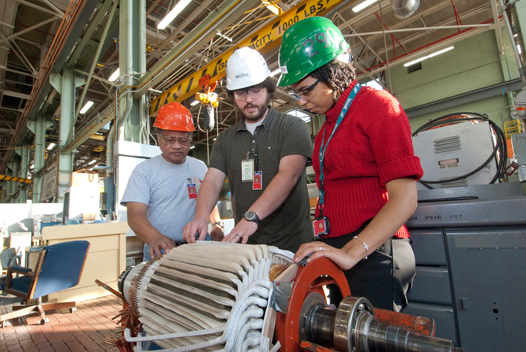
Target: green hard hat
<point x="307" y="45"/>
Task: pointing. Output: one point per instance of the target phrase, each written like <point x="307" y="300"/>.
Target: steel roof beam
<point x="40" y="8"/>
<point x="92" y="26"/>
<point x="29" y="29"/>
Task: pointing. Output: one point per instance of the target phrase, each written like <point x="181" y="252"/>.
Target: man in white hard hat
<point x="264" y="156"/>
<point x="162" y="191"/>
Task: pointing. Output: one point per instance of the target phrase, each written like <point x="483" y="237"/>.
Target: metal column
<point x="15" y="167"/>
<point x="132" y="61"/>
<point x="6" y="192"/>
<point x="24" y="166"/>
<point x="67" y="113"/>
<point x="3" y="184"/>
<point x="39" y="127"/>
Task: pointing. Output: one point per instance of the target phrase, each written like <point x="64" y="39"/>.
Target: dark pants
<point x="384" y="278"/>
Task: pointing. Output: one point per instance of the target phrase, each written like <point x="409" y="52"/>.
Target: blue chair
<point x="59" y="267"/>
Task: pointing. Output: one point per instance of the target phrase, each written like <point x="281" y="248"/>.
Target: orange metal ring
<point x="321" y="271"/>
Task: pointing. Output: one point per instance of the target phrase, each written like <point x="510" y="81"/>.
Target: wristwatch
<point x="252" y="216"/>
<point x="220" y="224"/>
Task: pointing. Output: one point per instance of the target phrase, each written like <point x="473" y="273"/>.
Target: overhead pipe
<point x="416" y="29"/>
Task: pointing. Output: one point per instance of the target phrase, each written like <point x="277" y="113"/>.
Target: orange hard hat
<point x="174" y="117"/>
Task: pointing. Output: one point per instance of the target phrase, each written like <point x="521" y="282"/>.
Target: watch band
<point x="220" y="224"/>
<point x="252" y="216"/>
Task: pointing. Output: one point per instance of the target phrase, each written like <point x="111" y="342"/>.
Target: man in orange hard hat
<point x="162" y="191"/>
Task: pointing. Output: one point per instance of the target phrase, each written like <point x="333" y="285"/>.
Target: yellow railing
<point x="513" y="127"/>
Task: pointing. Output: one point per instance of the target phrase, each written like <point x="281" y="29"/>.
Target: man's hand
<point x="243" y="230"/>
<point x="158" y="243"/>
<point x="217" y="233"/>
<point x="193" y="227"/>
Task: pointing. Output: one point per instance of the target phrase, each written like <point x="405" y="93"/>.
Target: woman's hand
<point x="319" y="249"/>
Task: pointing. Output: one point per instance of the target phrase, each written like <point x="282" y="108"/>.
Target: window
<point x="414" y="67"/>
<point x="304" y="116"/>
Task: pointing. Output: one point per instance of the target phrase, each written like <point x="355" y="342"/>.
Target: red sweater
<point x="371" y="147"/>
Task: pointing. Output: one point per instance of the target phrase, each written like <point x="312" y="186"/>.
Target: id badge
<point x="247" y="170"/>
<point x="321" y="226"/>
<point x="192" y="191"/>
<point x="257" y="184"/>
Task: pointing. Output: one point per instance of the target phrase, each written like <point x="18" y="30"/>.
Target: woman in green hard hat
<point x="364" y="163"/>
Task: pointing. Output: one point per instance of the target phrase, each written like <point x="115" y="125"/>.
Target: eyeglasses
<point x="170" y="140"/>
<point x="254" y="92"/>
<point x="306" y="93"/>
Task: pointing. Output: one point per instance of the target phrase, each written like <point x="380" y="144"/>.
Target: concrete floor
<point x="91" y="328"/>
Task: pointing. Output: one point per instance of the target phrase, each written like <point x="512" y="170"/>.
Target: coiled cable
<point x="500" y="145"/>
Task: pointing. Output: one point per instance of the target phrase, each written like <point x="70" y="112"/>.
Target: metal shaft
<point x="387" y="338"/>
<point x="320" y="326"/>
<point x="354" y="327"/>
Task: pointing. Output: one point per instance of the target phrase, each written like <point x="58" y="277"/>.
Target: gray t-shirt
<point x="163" y="187"/>
<point x="279" y="135"/>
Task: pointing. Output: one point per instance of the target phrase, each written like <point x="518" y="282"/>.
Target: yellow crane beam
<point x="263" y="40"/>
<point x="15" y="179"/>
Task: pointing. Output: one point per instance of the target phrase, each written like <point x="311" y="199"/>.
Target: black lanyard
<point x="256" y="153"/>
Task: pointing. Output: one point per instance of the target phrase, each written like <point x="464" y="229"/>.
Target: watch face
<point x="250" y="215"/>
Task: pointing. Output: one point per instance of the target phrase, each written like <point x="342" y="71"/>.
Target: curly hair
<point x="267" y="83"/>
<point x="336" y="74"/>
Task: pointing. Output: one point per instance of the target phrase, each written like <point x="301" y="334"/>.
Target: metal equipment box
<point x="470" y="250"/>
<point x="452" y="151"/>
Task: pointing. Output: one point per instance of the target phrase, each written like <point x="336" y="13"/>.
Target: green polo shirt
<point x="289" y="225"/>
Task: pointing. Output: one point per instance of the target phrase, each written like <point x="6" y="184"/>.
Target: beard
<point x="257" y="115"/>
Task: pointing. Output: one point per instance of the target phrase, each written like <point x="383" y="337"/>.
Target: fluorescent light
<point x="115" y="75"/>
<point x="86" y="107"/>
<point x="195" y="102"/>
<point x="273" y="7"/>
<point x="441" y="51"/>
<point x="175" y="11"/>
<point x="92" y="162"/>
<point x="155" y="90"/>
<point x="192" y="147"/>
<point x="415" y="61"/>
<point x="224" y="36"/>
<point x="50" y="146"/>
<point x="519" y="49"/>
<point x="275" y="72"/>
<point x="428" y="56"/>
<point x="363" y="5"/>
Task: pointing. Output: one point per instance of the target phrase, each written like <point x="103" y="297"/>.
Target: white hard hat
<point x="245" y="68"/>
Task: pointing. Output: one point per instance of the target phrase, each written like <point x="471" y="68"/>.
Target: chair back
<point x="62" y="267"/>
<point x="9" y="257"/>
